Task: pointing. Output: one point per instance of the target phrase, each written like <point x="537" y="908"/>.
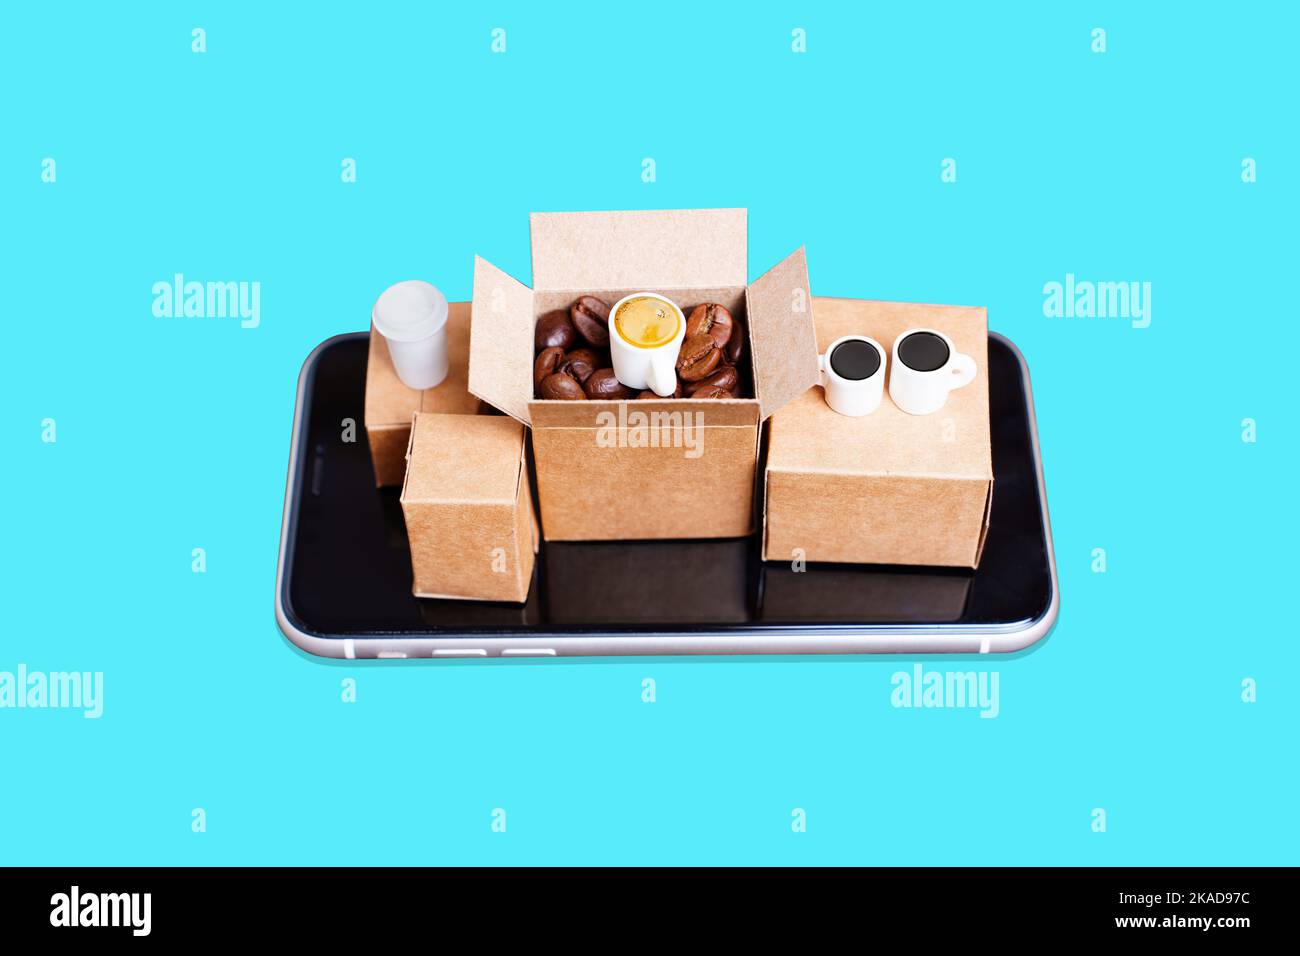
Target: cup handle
<point x="962" y="371"/>
<point x="661" y="376"/>
<point x="821" y="371"/>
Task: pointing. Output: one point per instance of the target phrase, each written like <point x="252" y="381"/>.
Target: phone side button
<point x="460" y="652"/>
<point x="528" y="652"/>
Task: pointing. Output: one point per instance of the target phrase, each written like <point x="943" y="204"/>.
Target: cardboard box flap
<point x="644" y="249"/>
<point x="782" y="336"/>
<point x="501" y="341"/>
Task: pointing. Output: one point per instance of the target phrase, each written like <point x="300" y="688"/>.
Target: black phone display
<point x="347" y="570"/>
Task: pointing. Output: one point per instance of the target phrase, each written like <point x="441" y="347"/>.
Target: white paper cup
<point x="412" y="318"/>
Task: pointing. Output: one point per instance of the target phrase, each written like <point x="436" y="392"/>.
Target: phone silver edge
<point x="936" y="639"/>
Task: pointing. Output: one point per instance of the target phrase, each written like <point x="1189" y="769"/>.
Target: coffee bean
<point x="710" y="319"/>
<point x="561" y="386"/>
<point x="699" y="356"/>
<point x="604" y="385"/>
<point x="724" y="378"/>
<point x="591" y="318"/>
<point x="736" y="344"/>
<point x="712" y="391"/>
<point x="553" y="330"/>
<point x="649" y="394"/>
<point x="580" y="363"/>
<point x="547" y="362"/>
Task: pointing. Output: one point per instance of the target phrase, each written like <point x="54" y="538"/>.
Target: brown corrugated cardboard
<point x="636" y="470"/>
<point x="886" y="488"/>
<point x="390" y="404"/>
<point x="651" y="249"/>
<point x="785" y="345"/>
<point x="468" y="508"/>
<point x="588" y="492"/>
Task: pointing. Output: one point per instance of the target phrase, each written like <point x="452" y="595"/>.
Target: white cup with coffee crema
<point x="853" y="375"/>
<point x="925" y="368"/>
<point x="645" y="335"/>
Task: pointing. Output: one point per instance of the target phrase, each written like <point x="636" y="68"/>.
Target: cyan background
<point x="173" y="434"/>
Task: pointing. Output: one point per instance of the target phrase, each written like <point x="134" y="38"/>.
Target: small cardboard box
<point x="390" y="404"/>
<point x="886" y="488"/>
<point x="469" y="508"/>
<point x="681" y="468"/>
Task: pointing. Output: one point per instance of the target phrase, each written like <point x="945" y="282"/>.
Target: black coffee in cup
<point x="855" y="360"/>
<point x="923" y="351"/>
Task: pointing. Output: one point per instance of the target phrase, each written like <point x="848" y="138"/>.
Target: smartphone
<point x="343" y="581"/>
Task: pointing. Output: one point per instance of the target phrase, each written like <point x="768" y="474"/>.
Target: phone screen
<point x="348" y="568"/>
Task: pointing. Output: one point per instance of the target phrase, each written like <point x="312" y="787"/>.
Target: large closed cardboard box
<point x="886" y="488"/>
<point x="609" y="470"/>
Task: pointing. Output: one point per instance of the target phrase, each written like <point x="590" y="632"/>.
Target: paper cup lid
<point x="409" y="311"/>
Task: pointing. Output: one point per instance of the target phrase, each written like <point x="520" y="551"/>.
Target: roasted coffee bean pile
<point x="573" y="355"/>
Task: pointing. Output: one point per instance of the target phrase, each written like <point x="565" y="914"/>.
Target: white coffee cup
<point x="412" y="318"/>
<point x="639" y="367"/>
<point x="925" y="368"/>
<point x="852" y="377"/>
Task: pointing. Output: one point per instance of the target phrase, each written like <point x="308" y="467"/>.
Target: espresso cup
<point x="925" y="369"/>
<point x="853" y="375"/>
<point x="646" y="356"/>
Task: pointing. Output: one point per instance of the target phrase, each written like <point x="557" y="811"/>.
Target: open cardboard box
<point x="886" y="488"/>
<point x="678" y="468"/>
